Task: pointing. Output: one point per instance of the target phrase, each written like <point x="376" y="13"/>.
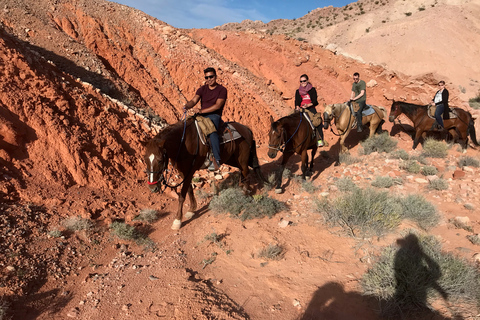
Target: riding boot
<point x="435" y="126"/>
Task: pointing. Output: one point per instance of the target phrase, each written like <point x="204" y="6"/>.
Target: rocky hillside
<point x="413" y="37"/>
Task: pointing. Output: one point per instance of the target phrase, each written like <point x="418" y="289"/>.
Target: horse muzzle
<point x="391" y="118"/>
<point x="272" y="153"/>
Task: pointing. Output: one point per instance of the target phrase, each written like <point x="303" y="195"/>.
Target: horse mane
<point x="172" y="129"/>
<point x="410" y="108"/>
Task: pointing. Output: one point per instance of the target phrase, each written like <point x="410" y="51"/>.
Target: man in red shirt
<point x="213" y="97"/>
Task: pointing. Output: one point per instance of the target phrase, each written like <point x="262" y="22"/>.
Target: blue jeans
<point x="214" y="137"/>
<point x="361" y="105"/>
<point x="439" y="114"/>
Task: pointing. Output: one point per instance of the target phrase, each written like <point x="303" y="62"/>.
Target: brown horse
<point x="344" y="119"/>
<point x="462" y="124"/>
<point x="289" y="135"/>
<point x="181" y="144"/>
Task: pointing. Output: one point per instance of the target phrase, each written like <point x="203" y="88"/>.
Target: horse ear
<point x="271" y="119"/>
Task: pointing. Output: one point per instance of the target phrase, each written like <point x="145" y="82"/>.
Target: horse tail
<point x="253" y="162"/>
<point x="471" y="131"/>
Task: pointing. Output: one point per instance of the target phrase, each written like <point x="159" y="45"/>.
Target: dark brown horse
<point x="289" y="135"/>
<point x="182" y="146"/>
<point x="461" y="125"/>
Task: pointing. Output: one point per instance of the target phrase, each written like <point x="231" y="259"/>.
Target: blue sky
<point x="211" y="13"/>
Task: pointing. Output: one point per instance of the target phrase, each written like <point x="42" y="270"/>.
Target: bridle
<point x="334" y="116"/>
<point x="281" y="146"/>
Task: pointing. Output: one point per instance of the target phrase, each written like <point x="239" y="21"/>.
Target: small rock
<point x="283" y="223"/>
<point x="73" y="313"/>
<point x="10" y="268"/>
<point x="152" y="277"/>
<point x="296" y="303"/>
<point x="462" y="221"/>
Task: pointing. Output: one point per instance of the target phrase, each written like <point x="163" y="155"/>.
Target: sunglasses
<point x="303" y="81"/>
<point x="209" y="77"/>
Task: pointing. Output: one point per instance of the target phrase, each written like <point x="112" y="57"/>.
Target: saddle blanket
<point x="366" y="112"/>
<point x="431" y="112"/>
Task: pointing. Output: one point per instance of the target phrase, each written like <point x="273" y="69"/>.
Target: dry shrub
<point x="417" y="208"/>
<point x="434" y="149"/>
<point x="147" y="215"/>
<point x="77" y="223"/>
<point x="362" y="213"/>
<point x="271" y="252"/>
<point x="379" y="143"/>
<point x="468" y="162"/>
<point x="244" y="207"/>
<point x="345" y="184"/>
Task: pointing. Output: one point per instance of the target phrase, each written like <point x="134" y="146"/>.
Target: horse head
<point x="276" y="138"/>
<point x="328" y="114"/>
<point x="156" y="160"/>
<point x="395" y="110"/>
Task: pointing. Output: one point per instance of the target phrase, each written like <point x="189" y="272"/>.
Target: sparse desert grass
<point x="127" y="232"/>
<point x="54" y="233"/>
<point x="379" y="143"/>
<point x="347" y="159"/>
<point x="438" y="184"/>
<point x="468" y="162"/>
<point x="420" y="159"/>
<point x="400" y="154"/>
<point x="417" y="208"/>
<point x="386" y="182"/>
<point x="410" y="277"/>
<point x="306" y="185"/>
<point x="201" y="194"/>
<point x="244" y="207"/>
<point x="475" y="102"/>
<point x="147" y="215"/>
<point x="271" y="252"/>
<point x="362" y="213"/>
<point x="345" y="184"/>
<point x="429" y="170"/>
<point x="434" y="149"/>
<point x="77" y="223"/>
<point x="411" y="166"/>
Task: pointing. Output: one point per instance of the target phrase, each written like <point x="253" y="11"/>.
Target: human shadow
<point x="415" y="275"/>
<point x="332" y="302"/>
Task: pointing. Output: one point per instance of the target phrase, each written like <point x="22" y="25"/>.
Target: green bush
<point x="244" y="207"/>
<point x="434" y="149"/>
<point x="383" y="182"/>
<point x="126" y="232"/>
<point x="400" y="154"/>
<point x="475" y="102"/>
<point x="411" y="166"/>
<point x="407" y="279"/>
<point x="417" y="208"/>
<point x="147" y="215"/>
<point x="77" y="223"/>
<point x="362" y="212"/>
<point x="429" y="171"/>
<point x="347" y="159"/>
<point x="345" y="184"/>
<point x="379" y="143"/>
<point x="438" y="184"/>
<point x="468" y="162"/>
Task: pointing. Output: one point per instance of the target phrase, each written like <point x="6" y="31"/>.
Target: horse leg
<point x="193" y="204"/>
<point x="314" y="152"/>
<point x="343" y="148"/>
<point x="177" y="223"/>
<point x="416" y="140"/>
<point x="304" y="163"/>
<point x="278" y="187"/>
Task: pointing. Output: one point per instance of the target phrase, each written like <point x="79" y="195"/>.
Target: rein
<point x="348" y="125"/>
<point x="281" y="146"/>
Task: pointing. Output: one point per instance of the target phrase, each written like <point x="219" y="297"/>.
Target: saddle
<point x="368" y="110"/>
<point x="431" y="113"/>
<point x="313" y="119"/>
<point x="228" y="131"/>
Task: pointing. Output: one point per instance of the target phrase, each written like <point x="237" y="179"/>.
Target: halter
<point x="348" y="125"/>
<point x="281" y="146"/>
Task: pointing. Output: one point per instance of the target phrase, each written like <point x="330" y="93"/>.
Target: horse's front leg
<point x="304" y="163"/>
<point x="314" y="152"/>
<point x="193" y="203"/>
<point x="416" y="140"/>
<point x="343" y="148"/>
<point x="278" y="187"/>
<point x="177" y="223"/>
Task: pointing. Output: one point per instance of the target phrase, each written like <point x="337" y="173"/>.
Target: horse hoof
<point x="278" y="190"/>
<point x="189" y="215"/>
<point x="176" y="224"/>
